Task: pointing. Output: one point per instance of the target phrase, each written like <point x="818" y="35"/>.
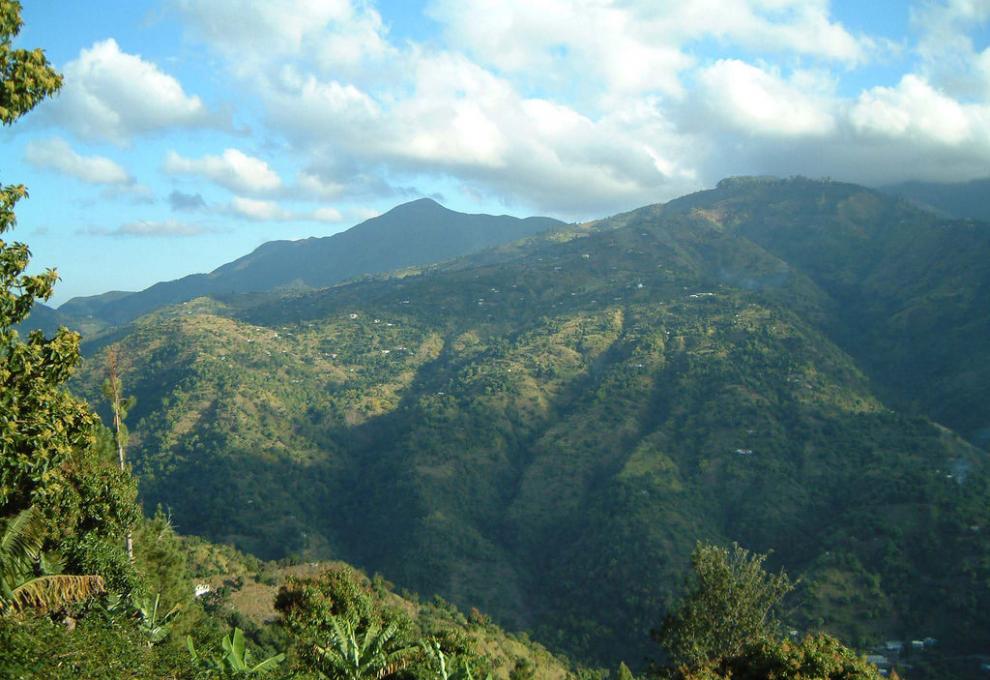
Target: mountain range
<point x="415" y="233"/>
<point x="543" y="429"/>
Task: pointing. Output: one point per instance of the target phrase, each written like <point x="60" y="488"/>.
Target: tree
<point x="48" y="455"/>
<point x="119" y="405"/>
<point x="21" y="559"/>
<point x="40" y="423"/>
<point x="26" y="75"/>
<point x="729" y="602"/>
<point x="817" y="657"/>
<point x="338" y="628"/>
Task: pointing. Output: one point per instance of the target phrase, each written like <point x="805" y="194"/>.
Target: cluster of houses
<point x="891" y="653"/>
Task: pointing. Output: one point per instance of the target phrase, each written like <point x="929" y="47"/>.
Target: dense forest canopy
<point x="738" y="435"/>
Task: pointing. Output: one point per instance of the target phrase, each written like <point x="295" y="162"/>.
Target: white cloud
<point x="580" y="107"/>
<point x="750" y="100"/>
<point x="914" y="111"/>
<point x="258" y="210"/>
<point x="327" y="215"/>
<point x="270" y="211"/>
<point x="637" y="46"/>
<point x="335" y="34"/>
<point x="112" y="95"/>
<point x="457" y="119"/>
<point x="950" y="60"/>
<point x="151" y="228"/>
<point x="56" y="154"/>
<point x="232" y="169"/>
<point x="311" y="184"/>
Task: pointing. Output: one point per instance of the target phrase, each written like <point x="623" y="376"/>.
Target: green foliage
<point x="98" y="646"/>
<point x="155" y="625"/>
<point x="818" y="657"/>
<point x="25" y="75"/>
<point x="236" y="658"/>
<point x="624" y="672"/>
<point x="554" y="439"/>
<point x="371" y="653"/>
<point x="49" y="454"/>
<point x="441" y="667"/>
<point x="41" y="424"/>
<point x="340" y="628"/>
<point x="724" y="628"/>
<point x="28" y="577"/>
<point x="730" y="601"/>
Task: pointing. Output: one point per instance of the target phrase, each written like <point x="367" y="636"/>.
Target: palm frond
<point x="22" y="538"/>
<point x="52" y="592"/>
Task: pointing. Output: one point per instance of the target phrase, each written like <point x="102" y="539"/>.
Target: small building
<point x="893" y="645"/>
<point x="201" y="589"/>
<point x="877" y="660"/>
<point x="744" y="452"/>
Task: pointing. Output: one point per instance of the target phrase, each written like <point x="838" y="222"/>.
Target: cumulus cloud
<point x="112" y="95"/>
<point x="457" y="119"/>
<point x="151" y="228"/>
<point x="914" y="111"/>
<point x="751" y="100"/>
<point x="336" y="34"/>
<point x="583" y="107"/>
<point x="258" y="210"/>
<point x="270" y="211"/>
<point x="232" y="169"/>
<point x="642" y="45"/>
<point x="56" y="154"/>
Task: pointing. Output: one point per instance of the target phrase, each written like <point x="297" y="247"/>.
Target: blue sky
<point x="190" y="132"/>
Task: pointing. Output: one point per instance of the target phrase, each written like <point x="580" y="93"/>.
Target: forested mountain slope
<point x="909" y="289"/>
<point x="545" y="431"/>
<point x="415" y="233"/>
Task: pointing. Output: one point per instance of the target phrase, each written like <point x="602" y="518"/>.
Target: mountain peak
<point x="419" y="206"/>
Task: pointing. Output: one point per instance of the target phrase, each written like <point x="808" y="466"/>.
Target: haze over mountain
<point x="416" y="233"/>
<point x="952" y="199"/>
<point x="545" y="429"/>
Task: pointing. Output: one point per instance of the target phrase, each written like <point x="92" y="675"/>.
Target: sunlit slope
<point x="910" y="289"/>
<point x="545" y="433"/>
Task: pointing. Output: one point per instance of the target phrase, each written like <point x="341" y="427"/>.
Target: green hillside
<point x="908" y="289"/>
<point x="544" y="431"/>
<point x="416" y="233"/>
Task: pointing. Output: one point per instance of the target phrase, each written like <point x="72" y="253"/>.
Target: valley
<point x="543" y="431"/>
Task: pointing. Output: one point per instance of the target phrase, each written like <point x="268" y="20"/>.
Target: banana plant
<point x="29" y="578"/>
<point x="440" y="666"/>
<point x="236" y="659"/>
<point x="156" y="628"/>
<point x="374" y="657"/>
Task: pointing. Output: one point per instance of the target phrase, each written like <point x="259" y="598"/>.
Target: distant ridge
<point x="415" y="233"/>
<point x="962" y="200"/>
